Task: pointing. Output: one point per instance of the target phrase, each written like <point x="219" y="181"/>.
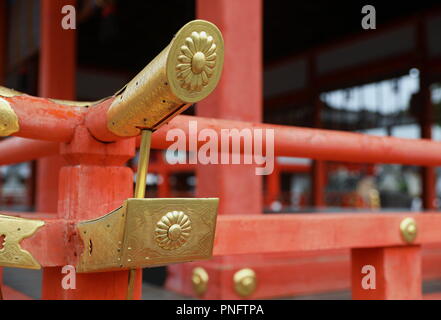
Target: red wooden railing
<point x="374" y="239"/>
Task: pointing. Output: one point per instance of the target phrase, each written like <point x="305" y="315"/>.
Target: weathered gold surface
<point x="127" y="237"/>
<point x="245" y="282"/>
<point x="6" y="92"/>
<point x="12" y="231"/>
<point x="409" y="230"/>
<point x="8" y="119"/>
<point x="185" y="72"/>
<point x="200" y="279"/>
<point x="83" y="104"/>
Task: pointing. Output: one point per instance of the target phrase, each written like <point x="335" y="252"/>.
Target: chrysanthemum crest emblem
<point x="173" y="230"/>
<point x="196" y="61"/>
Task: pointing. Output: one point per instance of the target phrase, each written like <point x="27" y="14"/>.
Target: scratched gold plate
<point x="12" y="231"/>
<point x="149" y="232"/>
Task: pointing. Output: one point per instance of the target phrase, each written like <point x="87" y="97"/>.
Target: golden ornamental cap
<point x="185" y="72"/>
<point x="195" y="61"/>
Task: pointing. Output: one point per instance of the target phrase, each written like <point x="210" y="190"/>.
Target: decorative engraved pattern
<point x="13" y="231"/>
<point x="196" y="61"/>
<point x="103" y="241"/>
<point x="133" y="243"/>
<point x="173" y="230"/>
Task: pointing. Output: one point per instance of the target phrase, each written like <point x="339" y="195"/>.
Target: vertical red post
<point x="89" y="185"/>
<point x="318" y="183"/>
<point x="239" y="97"/>
<point x="164" y="187"/>
<point x="428" y="173"/>
<point x="319" y="171"/>
<point x="93" y="183"/>
<point x="56" y="80"/>
<point x="273" y="186"/>
<point x="395" y="272"/>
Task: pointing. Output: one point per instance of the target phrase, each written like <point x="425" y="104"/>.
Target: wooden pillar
<point x="56" y="80"/>
<point x="318" y="183"/>
<point x="92" y="183"/>
<point x="88" y="188"/>
<point x="319" y="172"/>
<point x="396" y="272"/>
<point x="239" y="97"/>
<point x="428" y="173"/>
<point x="273" y="186"/>
<point x="164" y="187"/>
<point x="426" y="119"/>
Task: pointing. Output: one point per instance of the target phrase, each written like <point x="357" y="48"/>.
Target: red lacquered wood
<point x="92" y="184"/>
<point x="243" y="234"/>
<point x="289" y="141"/>
<point x="321" y="144"/>
<point x="12" y="294"/>
<point x="58" y="52"/>
<point x="16" y="150"/>
<point x="397" y="273"/>
<point x="96" y="121"/>
<point x="304" y="232"/>
<point x="238" y="97"/>
<point x="42" y="119"/>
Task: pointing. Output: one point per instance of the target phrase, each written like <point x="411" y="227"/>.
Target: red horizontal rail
<point x="321" y="144"/>
<point x="16" y="150"/>
<point x="248" y="234"/>
<point x="43" y="119"/>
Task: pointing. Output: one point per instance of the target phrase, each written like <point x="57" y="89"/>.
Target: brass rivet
<point x="245" y="282"/>
<point x="199" y="280"/>
<point x="409" y="230"/>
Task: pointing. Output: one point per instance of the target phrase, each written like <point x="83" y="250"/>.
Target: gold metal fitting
<point x="185" y="72"/>
<point x="8" y="119"/>
<point x="149" y="232"/>
<point x="199" y="279"/>
<point x="8" y="93"/>
<point x="245" y="282"/>
<point x="12" y="231"/>
<point x="408" y="228"/>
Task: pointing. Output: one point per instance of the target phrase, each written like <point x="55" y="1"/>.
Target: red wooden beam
<point x="321" y="144"/>
<point x="43" y="119"/>
<point x="16" y="150"/>
<point x="305" y="232"/>
<point x="289" y="141"/>
<point x="249" y="234"/>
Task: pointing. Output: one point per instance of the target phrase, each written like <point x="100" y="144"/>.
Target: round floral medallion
<point x="173" y="230"/>
<point x="196" y="61"/>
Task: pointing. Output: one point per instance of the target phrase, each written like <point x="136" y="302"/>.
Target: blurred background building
<point x="321" y="69"/>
